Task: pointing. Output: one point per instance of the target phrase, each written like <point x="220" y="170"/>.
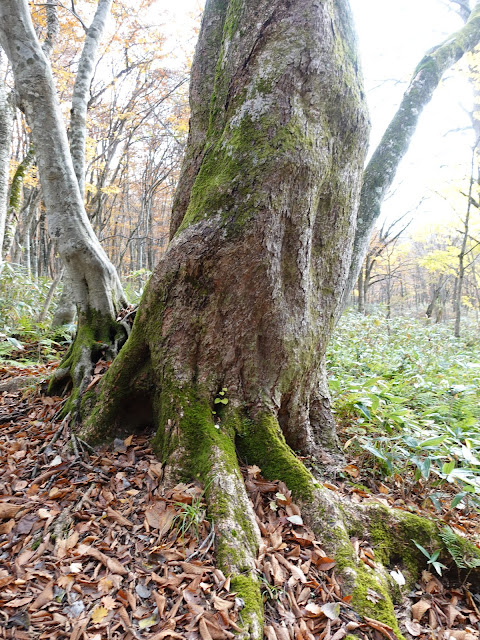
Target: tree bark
<point x="81" y="90"/>
<point x="97" y="289"/>
<point x="257" y="267"/>
<point x="6" y="127"/>
<point x="382" y="167"/>
<point x="66" y="309"/>
<point x="238" y="314"/>
<point x="226" y="358"/>
<point x="15" y="201"/>
<point x="202" y="80"/>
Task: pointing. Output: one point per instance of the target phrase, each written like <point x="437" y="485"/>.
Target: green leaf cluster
<point x="408" y="394"/>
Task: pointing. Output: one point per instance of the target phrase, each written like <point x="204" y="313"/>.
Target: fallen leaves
<point x="90" y="545"/>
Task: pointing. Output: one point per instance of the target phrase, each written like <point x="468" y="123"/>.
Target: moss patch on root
<point x="187" y="425"/>
<point x="98" y="335"/>
<point x="361" y="579"/>
<point x="393" y="534"/>
<point x="262" y="442"/>
<point x="248" y="589"/>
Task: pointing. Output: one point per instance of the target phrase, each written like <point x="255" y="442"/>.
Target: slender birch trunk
<point x="95" y="283"/>
<point x="81" y="90"/>
<point x="6" y="127"/>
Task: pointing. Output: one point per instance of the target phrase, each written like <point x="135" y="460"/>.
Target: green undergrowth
<point x="407" y="396"/>
<point x="23" y="337"/>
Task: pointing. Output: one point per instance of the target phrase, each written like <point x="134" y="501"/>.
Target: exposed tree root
<point x="194" y="443"/>
<point x="98" y="337"/>
<point x="19" y="382"/>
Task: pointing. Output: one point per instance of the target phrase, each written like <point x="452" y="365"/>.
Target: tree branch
<point x="382" y="168"/>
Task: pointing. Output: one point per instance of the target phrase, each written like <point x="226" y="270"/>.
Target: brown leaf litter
<point x="92" y="546"/>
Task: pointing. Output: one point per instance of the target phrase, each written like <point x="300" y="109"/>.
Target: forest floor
<point x="92" y="547"/>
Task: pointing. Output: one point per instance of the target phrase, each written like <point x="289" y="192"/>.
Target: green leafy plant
<point x="221" y="399"/>
<point x="189" y="517"/>
<point x="407" y="396"/>
<point x="270" y="591"/>
<point x="432" y="558"/>
<point x="134" y="284"/>
<point x="452" y="544"/>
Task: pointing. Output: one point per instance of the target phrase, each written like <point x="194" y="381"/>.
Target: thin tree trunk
<point x="51" y="293"/>
<point x="463" y="249"/>
<point x="15" y="201"/>
<point x="361" y="292"/>
<point x="382" y="167"/>
<point x="6" y="128"/>
<point x="96" y="287"/>
<point x="81" y="90"/>
<point x="8" y="225"/>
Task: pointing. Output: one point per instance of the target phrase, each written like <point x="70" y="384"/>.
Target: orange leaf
<point x="352" y="470"/>
<point x="324" y="564"/>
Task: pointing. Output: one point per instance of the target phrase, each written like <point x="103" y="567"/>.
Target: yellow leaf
<point x="98" y="614"/>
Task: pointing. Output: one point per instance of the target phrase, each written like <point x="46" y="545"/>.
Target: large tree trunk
<point x="226" y="355"/>
<point x="382" y="167"/>
<point x="249" y="289"/>
<point x="97" y="290"/>
<point x="241" y="308"/>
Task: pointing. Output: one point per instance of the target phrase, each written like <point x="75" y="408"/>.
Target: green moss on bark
<point x="96" y="333"/>
<point x="262" y="442"/>
<point x="359" y="579"/>
<point x="186" y="424"/>
<point x="248" y="589"/>
<point x="227" y="181"/>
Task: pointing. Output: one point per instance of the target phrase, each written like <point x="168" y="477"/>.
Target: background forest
<point x="404" y="362"/>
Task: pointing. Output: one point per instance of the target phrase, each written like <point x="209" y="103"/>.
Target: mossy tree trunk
<point x="383" y="165"/>
<point x="248" y="292"/>
<point x="226" y="358"/>
<point x="96" y="286"/>
<point x="237" y="316"/>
